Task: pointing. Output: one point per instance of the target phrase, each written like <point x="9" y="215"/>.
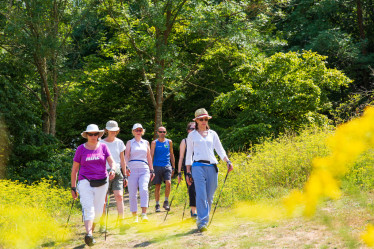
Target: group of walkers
<point x="137" y="164"/>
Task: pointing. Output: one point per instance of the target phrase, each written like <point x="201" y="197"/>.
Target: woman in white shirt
<point x="117" y="149"/>
<point x="201" y="144"/>
<point x="138" y="158"/>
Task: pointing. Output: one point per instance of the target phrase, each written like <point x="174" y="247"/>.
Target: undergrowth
<point x="32" y="215"/>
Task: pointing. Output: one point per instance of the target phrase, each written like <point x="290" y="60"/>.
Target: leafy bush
<point x="287" y="91"/>
<point x="31" y="215"/>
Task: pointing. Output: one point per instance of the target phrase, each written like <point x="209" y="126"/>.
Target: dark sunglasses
<point x="92" y="134"/>
<point x="191" y="129"/>
<point x="161" y="131"/>
<point x="203" y="119"/>
<point x="138" y="130"/>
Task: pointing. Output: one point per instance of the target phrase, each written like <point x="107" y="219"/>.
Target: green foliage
<point x="362" y="172"/>
<point x="332" y="28"/>
<point x="353" y="107"/>
<point x="31" y="215"/>
<point x="283" y="92"/>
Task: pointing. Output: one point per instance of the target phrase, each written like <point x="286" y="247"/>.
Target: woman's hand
<point x="112" y="174"/>
<point x="128" y="171"/>
<point x="125" y="181"/>
<point x="230" y="167"/>
<point x="74" y="193"/>
<point x="179" y="177"/>
<point x="189" y="179"/>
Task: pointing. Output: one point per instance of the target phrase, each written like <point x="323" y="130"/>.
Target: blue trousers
<point x="206" y="180"/>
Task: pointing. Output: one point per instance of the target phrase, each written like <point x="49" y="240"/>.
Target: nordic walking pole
<point x="107" y="212"/>
<point x="71" y="208"/>
<point x="171" y="202"/>
<point x="219" y="196"/>
<point x="185" y="202"/>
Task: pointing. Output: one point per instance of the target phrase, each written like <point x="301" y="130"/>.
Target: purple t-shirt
<point x="92" y="162"/>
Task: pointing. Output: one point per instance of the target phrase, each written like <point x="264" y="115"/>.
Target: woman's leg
<point x="211" y="185"/>
<point x="143" y="189"/>
<point x="87" y="201"/>
<point x="199" y="177"/>
<point x="133" y="190"/>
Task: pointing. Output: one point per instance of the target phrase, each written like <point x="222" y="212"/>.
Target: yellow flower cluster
<point x="349" y="141"/>
<point x="31" y="215"/>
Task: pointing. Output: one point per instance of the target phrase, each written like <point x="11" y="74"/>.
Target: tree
<point x="166" y="40"/>
<point x="283" y="92"/>
<point x="37" y="32"/>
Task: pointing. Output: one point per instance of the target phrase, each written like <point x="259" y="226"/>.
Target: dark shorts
<point x="162" y="174"/>
<point x="116" y="183"/>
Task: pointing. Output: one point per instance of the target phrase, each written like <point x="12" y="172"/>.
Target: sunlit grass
<point x="31" y="215"/>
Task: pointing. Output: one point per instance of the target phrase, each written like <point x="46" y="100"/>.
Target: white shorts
<point x="92" y="199"/>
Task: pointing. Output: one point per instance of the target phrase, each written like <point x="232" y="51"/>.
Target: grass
<point x="250" y="211"/>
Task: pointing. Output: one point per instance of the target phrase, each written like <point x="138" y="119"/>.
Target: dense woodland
<point x="261" y="68"/>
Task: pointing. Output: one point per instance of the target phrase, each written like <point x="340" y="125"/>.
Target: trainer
<point x="162" y="154"/>
<point x="201" y="144"/>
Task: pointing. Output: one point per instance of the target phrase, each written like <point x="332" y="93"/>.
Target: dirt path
<point x="337" y="225"/>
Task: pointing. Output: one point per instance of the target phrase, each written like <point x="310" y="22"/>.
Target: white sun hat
<point x="112" y="125"/>
<point x="92" y="128"/>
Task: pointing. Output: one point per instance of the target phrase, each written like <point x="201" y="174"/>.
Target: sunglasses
<point x="138" y="130"/>
<point x="92" y="134"/>
<point x="191" y="129"/>
<point x="161" y="131"/>
<point x="203" y="119"/>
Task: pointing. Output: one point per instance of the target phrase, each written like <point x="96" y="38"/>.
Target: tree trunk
<point x="360" y="22"/>
<point x="159" y="103"/>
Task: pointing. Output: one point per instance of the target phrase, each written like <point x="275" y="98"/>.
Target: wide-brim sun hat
<point x="92" y="128"/>
<point x="200" y="113"/>
<point x="136" y="126"/>
<point x="112" y="125"/>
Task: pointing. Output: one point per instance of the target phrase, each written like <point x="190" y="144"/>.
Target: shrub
<point x="31" y="215"/>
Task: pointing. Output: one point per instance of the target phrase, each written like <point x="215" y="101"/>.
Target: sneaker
<point x="166" y="206"/>
<point x="144" y="217"/>
<point x="89" y="240"/>
<point x="135" y="219"/>
<point x="203" y="229"/>
<point x="158" y="208"/>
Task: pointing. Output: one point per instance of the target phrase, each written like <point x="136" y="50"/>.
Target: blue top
<point x="162" y="154"/>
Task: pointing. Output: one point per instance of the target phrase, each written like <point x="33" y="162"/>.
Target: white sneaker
<point x="135" y="219"/>
<point x="144" y="217"/>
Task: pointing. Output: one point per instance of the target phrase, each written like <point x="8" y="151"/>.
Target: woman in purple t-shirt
<point x="90" y="160"/>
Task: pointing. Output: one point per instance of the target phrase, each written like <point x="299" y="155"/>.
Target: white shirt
<point x="115" y="148"/>
<point x="202" y="148"/>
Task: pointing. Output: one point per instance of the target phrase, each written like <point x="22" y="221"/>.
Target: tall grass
<point x="32" y="215"/>
<point x="270" y="169"/>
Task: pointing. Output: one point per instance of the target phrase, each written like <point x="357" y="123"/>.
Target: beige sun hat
<point x="200" y="113"/>
<point x="112" y="125"/>
<point x="92" y="128"/>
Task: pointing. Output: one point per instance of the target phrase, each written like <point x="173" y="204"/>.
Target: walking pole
<point x="71" y="208"/>
<point x="185" y="202"/>
<point x="107" y="212"/>
<point x="171" y="202"/>
<point x="210" y="222"/>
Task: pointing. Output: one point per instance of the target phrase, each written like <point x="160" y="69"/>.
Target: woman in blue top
<point x="201" y="144"/>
